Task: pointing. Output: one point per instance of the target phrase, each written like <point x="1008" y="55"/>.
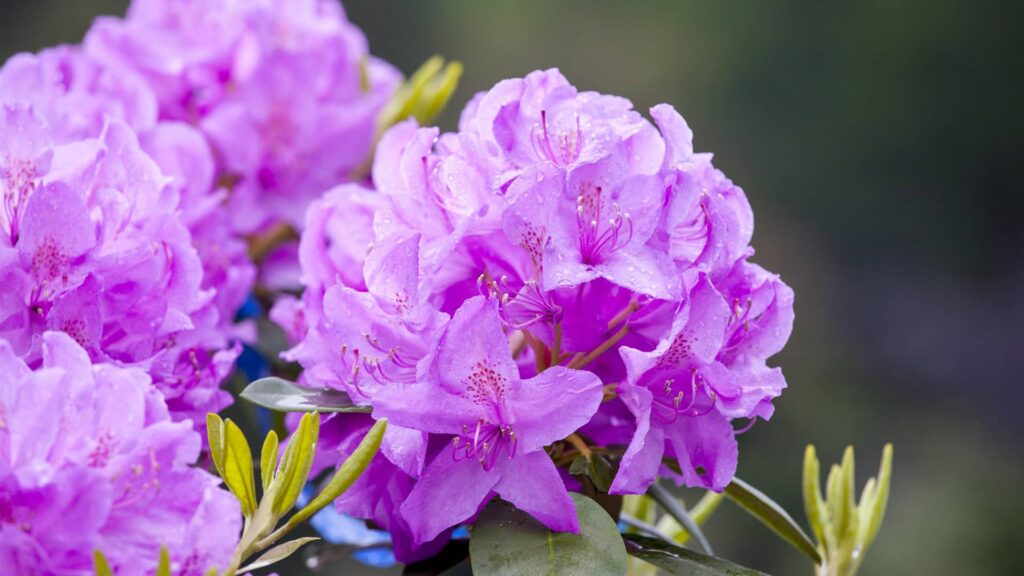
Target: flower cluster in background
<point x="136" y="171"/>
<point x="90" y="460"/>
<point x="285" y="93"/>
<point x="559" y="276"/>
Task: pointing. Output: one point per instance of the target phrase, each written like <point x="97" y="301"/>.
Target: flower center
<point x="600" y="237"/>
<point x="485" y="442"/>
<point x="676" y="397"/>
<point x="19" y="181"/>
<point x="562" y="147"/>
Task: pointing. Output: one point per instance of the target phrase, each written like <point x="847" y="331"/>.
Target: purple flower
<point x="558" y="266"/>
<point x="286" y="92"/>
<point x="78" y="95"/>
<point x="470" y="389"/>
<point x="384" y="486"/>
<point x="95" y="443"/>
<point x="698" y="378"/>
<point x="91" y="248"/>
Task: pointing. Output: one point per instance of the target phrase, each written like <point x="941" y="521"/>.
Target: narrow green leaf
<point x="215" y="434"/>
<point x="509" y="542"/>
<point x="814" y="503"/>
<point x="881" y="499"/>
<point x="834" y="500"/>
<point x="277" y="553"/>
<point x="100" y="564"/>
<point x="847" y="522"/>
<point x="700" y="513"/>
<point x="438" y="93"/>
<point x="283" y="396"/>
<point x="347" y="474"/>
<point x="677" y="561"/>
<point x="771" y="515"/>
<point x="268" y="460"/>
<point x="676" y="509"/>
<point x="164" y="567"/>
<point x="296" y="463"/>
<point x="238" y="473"/>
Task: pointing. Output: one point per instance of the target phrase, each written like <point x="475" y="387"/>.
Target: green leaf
<point x="881" y="496"/>
<point x="284" y="396"/>
<point x="215" y="434"/>
<point x="509" y="542"/>
<point x="676" y="509"/>
<point x="847" y="521"/>
<point x="814" y="502"/>
<point x="678" y="561"/>
<point x="596" y="468"/>
<point x="268" y="460"/>
<point x="277" y="553"/>
<point x="771" y="515"/>
<point x="100" y="564"/>
<point x="296" y="463"/>
<point x="164" y="567"/>
<point x="700" y="513"/>
<point x="347" y="474"/>
<point x="237" y="471"/>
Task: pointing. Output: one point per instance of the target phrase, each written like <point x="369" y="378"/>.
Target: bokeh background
<point x="880" y="144"/>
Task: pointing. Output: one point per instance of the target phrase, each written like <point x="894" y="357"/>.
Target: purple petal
<point x="706" y="449"/>
<point x="448" y="493"/>
<point x="531" y="482"/>
<point x="642" y="460"/>
<point x="554" y="404"/>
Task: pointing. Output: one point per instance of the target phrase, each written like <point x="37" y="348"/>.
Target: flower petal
<point x="448" y="493"/>
<point x="531" y="482"/>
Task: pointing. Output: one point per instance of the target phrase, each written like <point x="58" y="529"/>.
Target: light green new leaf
<point x="347" y="474"/>
<point x="771" y="515"/>
<point x="215" y="434"/>
<point x="100" y="564"/>
<point x="296" y="463"/>
<point x="881" y="496"/>
<point x="237" y="471"/>
<point x="164" y="567"/>
<point x="814" y="502"/>
<point x="268" y="461"/>
<point x="277" y="553"/>
<point x="509" y="542"/>
<point x="847" y="522"/>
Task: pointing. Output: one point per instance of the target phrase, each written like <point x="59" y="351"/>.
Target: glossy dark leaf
<point x="284" y="396"/>
<point x="677" y="561"/>
<point x="509" y="542"/>
<point x="773" y="516"/>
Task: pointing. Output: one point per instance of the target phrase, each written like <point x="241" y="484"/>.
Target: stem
<point x="579" y="444"/>
<point x="621" y="316"/>
<point x="580" y="362"/>
<point x="261" y="245"/>
<point x="556" y="347"/>
<point x="539" y="351"/>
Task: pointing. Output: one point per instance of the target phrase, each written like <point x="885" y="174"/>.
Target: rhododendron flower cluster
<point x="90" y="460"/>
<point x="92" y="246"/>
<point x="559" y="273"/>
<point x="285" y="92"/>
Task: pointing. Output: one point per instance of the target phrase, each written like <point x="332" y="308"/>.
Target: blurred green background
<point x="880" y="145"/>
